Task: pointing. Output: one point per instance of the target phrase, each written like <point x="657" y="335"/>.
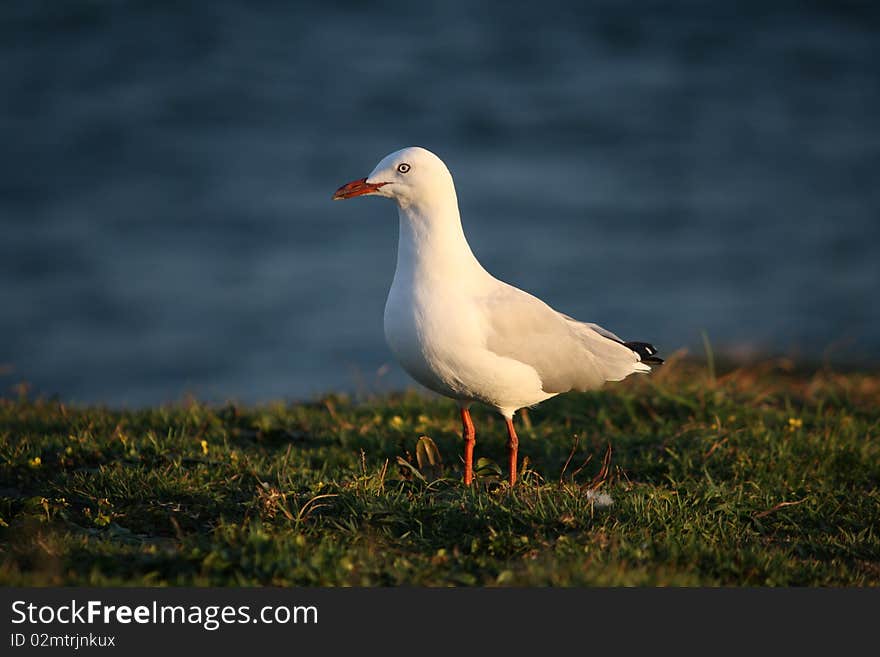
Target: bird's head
<point x="410" y="176"/>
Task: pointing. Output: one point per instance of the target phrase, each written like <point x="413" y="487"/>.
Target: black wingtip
<point x="646" y="351"/>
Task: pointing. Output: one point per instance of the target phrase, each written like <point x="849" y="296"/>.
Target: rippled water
<point x="166" y="180"/>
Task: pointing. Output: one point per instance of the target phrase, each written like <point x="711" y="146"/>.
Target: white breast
<point x="438" y="335"/>
<point x="424" y="347"/>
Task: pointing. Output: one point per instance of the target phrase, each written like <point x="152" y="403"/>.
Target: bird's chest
<point x="428" y="331"/>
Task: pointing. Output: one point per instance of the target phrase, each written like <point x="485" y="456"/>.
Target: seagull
<point x="464" y="334"/>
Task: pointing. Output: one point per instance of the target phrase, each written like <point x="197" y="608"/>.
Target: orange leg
<point x="469" y="435"/>
<point x="512" y="446"/>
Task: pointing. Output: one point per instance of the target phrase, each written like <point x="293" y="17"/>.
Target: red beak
<point x="356" y="188"/>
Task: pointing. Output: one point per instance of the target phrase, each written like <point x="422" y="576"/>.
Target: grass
<point x="754" y="477"/>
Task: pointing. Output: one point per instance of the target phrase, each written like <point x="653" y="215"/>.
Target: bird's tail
<point x="647" y="352"/>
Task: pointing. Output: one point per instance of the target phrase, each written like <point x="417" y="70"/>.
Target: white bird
<point x="461" y="332"/>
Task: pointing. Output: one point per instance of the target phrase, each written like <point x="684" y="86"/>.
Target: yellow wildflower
<point x="204" y="444"/>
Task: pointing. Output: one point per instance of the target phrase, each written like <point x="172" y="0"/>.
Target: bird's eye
<point x="403" y="167"/>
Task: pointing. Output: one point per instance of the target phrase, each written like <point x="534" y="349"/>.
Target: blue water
<point x="660" y="169"/>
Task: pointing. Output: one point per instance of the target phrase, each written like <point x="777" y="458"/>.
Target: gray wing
<point x="566" y="354"/>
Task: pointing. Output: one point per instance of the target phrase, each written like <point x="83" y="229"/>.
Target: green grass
<point x="752" y="477"/>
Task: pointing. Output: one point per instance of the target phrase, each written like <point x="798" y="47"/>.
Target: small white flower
<point x="600" y="500"/>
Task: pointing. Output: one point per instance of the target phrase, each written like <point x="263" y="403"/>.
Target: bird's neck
<point x="432" y="245"/>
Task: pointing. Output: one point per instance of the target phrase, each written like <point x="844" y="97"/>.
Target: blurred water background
<point x="661" y="169"/>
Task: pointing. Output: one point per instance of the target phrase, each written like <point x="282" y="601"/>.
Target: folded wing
<point x="566" y="354"/>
